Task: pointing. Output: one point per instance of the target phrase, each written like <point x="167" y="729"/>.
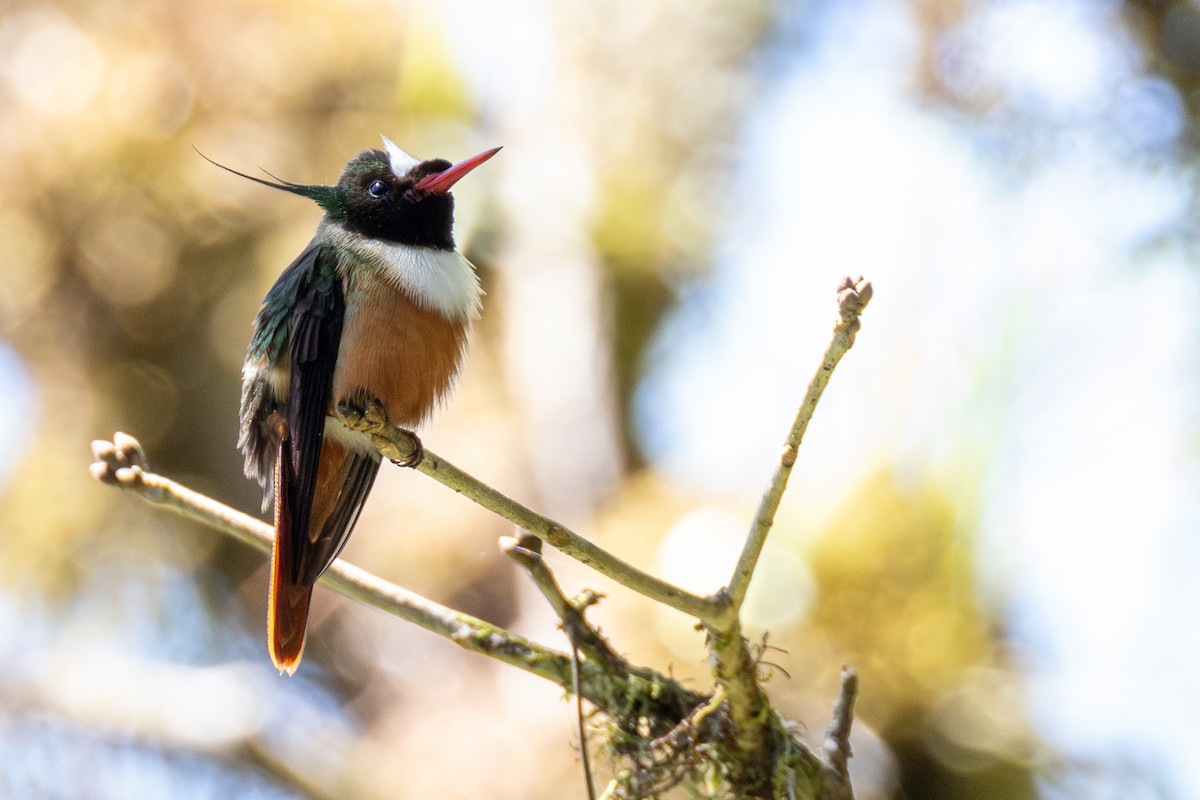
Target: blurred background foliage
<point x="682" y="185"/>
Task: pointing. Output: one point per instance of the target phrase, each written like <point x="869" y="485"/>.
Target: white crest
<point x="400" y="161"/>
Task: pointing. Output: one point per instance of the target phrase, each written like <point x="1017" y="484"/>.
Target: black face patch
<point x="382" y="205"/>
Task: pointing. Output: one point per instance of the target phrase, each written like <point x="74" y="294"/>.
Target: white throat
<point x="439" y="280"/>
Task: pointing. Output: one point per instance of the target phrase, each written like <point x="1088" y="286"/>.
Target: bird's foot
<point x="363" y="412"/>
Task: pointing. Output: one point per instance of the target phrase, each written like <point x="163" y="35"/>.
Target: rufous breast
<point x="399" y="352"/>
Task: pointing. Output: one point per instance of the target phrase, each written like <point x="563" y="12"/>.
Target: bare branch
<point x="401" y="446"/>
<point x="123" y="464"/>
<point x="836" y="785"/>
<point x="757" y="728"/>
<point x="525" y="550"/>
<point x="853" y="297"/>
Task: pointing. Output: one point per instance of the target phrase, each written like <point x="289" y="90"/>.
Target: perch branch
<point x="122" y="463"/>
<point x="401" y="446"/>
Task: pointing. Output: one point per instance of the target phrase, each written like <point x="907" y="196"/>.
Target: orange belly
<point x="404" y="355"/>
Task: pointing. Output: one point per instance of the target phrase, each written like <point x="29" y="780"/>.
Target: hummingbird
<point x="375" y="312"/>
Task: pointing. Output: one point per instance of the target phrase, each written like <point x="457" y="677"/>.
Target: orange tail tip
<point x="287" y="618"/>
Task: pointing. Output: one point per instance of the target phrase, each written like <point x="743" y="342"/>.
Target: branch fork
<point x="736" y="723"/>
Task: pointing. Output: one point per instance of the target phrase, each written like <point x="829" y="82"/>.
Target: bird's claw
<point x="363" y="412"/>
<point x="417" y="455"/>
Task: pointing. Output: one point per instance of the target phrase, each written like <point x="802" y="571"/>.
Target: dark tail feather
<point x="287" y="606"/>
<point x="339" y="486"/>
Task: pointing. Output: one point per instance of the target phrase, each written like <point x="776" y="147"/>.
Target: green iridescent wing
<point x="289" y="366"/>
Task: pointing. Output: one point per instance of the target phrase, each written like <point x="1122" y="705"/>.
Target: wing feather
<point x="267" y="374"/>
<point x="316" y="330"/>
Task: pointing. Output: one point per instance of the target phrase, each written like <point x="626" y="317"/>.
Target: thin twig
<point x="757" y="728"/>
<point x="853" y="297"/>
<point x="836" y="785"/>
<point x="584" y="757"/>
<point x="526" y="550"/>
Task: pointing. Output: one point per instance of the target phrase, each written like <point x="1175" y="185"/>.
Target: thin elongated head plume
<point x="330" y="198"/>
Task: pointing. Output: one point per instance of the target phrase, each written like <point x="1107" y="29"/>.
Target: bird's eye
<point x="378" y="189"/>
